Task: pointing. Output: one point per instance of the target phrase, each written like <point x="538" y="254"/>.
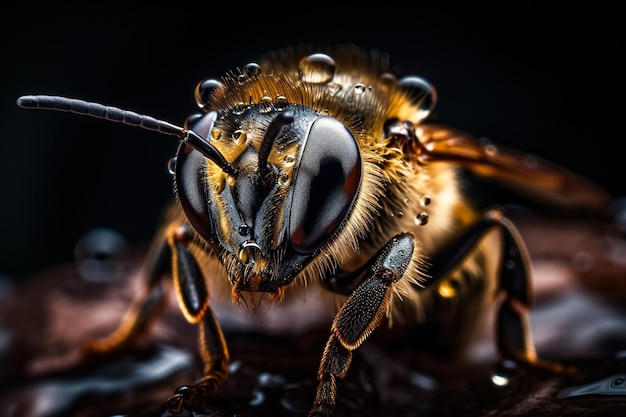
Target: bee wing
<point x="526" y="174"/>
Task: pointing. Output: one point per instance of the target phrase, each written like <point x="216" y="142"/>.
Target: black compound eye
<point x="190" y="164"/>
<point x="201" y="123"/>
<point x="325" y="185"/>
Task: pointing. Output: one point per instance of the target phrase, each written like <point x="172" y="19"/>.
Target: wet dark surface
<point x="579" y="318"/>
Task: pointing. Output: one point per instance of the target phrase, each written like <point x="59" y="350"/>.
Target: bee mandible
<point x="321" y="168"/>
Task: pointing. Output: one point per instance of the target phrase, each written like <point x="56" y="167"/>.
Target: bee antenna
<point x="271" y="134"/>
<point x="127" y="117"/>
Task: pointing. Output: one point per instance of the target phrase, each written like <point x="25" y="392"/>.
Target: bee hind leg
<point x="359" y="316"/>
<point x="513" y="334"/>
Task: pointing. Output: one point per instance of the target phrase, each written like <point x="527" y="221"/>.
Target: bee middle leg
<point x="359" y="316"/>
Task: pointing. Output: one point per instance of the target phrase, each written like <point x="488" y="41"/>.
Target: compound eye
<point x="190" y="189"/>
<point x="325" y="185"/>
<point x="201" y="123"/>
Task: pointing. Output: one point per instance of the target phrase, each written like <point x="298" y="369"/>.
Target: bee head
<point x="294" y="179"/>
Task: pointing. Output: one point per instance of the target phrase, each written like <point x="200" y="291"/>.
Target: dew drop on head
<point x="281" y="102"/>
<point x="252" y="70"/>
<point x="204" y="90"/>
<point x="421" y="218"/>
<point x="317" y="69"/>
<point x="421" y="93"/>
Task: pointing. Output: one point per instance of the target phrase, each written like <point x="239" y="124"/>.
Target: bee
<point x="323" y="169"/>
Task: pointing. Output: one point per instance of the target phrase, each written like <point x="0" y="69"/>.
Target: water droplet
<point x="239" y="108"/>
<point x="289" y="160"/>
<point x="425" y="200"/>
<point x="182" y="389"/>
<point x="267" y="379"/>
<point x="421" y="93"/>
<point x="95" y="253"/>
<point x="421" y="218"/>
<point x="317" y="69"/>
<point x="234" y="367"/>
<point x="491" y="150"/>
<point x="504" y="373"/>
<point x="216" y="134"/>
<point x="265" y="104"/>
<point x="399" y="214"/>
<point x="281" y="102"/>
<point x="240" y="136"/>
<point x="244" y="229"/>
<point x="171" y="165"/>
<point x="360" y="88"/>
<point x="252" y="70"/>
<point x="423" y="381"/>
<point x="283" y="179"/>
<point x="204" y="90"/>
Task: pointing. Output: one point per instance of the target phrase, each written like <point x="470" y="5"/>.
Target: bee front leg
<point x="193" y="298"/>
<point x="359" y="316"/>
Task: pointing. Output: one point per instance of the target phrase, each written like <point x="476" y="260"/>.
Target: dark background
<point x="544" y="77"/>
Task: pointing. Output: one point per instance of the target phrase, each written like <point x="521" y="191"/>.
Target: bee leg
<point x="359" y="316"/>
<point x="146" y="307"/>
<point x="193" y="298"/>
<point x="513" y="335"/>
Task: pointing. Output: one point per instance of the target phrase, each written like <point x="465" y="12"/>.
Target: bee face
<point x="298" y="175"/>
<point x="295" y="128"/>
